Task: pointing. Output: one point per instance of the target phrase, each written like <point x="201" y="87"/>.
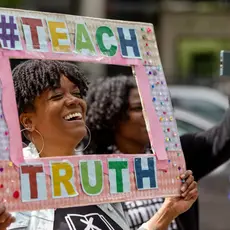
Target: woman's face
<point x="134" y="128"/>
<point x="59" y="114"/>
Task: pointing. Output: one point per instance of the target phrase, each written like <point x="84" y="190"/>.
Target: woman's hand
<point x="174" y="206"/>
<point x="189" y="194"/>
<point x="6" y="219"/>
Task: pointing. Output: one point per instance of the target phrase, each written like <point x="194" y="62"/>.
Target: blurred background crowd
<point x="190" y="35"/>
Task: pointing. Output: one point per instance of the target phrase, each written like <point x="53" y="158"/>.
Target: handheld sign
<point x="86" y="180"/>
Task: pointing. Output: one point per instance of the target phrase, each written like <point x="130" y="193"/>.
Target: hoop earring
<point x="82" y="150"/>
<point x="43" y="142"/>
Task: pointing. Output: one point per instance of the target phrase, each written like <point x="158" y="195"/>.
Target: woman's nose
<point x="71" y="100"/>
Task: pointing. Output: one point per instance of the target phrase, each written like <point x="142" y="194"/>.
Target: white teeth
<point x="77" y="115"/>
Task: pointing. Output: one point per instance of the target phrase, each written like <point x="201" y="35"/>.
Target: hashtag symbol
<point x="8" y="31"/>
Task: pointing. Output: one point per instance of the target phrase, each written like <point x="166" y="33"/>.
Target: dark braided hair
<point x="32" y="77"/>
<point x="108" y="102"/>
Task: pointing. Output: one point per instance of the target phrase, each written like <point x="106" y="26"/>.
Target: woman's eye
<point x="56" y="97"/>
<point x="77" y="94"/>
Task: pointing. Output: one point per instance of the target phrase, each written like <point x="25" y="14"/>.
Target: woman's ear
<point x="26" y="120"/>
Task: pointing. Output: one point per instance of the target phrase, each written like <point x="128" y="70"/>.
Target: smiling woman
<point x="58" y="113"/>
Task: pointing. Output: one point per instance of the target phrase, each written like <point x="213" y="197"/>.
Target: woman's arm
<point x="174" y="206"/>
<point x="161" y="220"/>
<point x="205" y="151"/>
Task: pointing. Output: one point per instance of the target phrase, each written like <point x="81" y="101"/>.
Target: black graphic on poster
<point x="83" y="218"/>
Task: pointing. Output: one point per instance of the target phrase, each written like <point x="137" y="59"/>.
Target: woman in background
<point x="117" y="125"/>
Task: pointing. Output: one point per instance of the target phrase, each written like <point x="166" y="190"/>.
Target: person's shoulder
<point x="22" y="220"/>
<point x="30" y="152"/>
<point x="41" y="219"/>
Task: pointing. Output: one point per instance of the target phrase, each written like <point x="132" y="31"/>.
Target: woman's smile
<point x="73" y="116"/>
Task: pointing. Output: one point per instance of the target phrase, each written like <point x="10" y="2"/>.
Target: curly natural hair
<point x="108" y="102"/>
<point x="32" y="77"/>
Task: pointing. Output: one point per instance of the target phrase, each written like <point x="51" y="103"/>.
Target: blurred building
<point x="191" y="36"/>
